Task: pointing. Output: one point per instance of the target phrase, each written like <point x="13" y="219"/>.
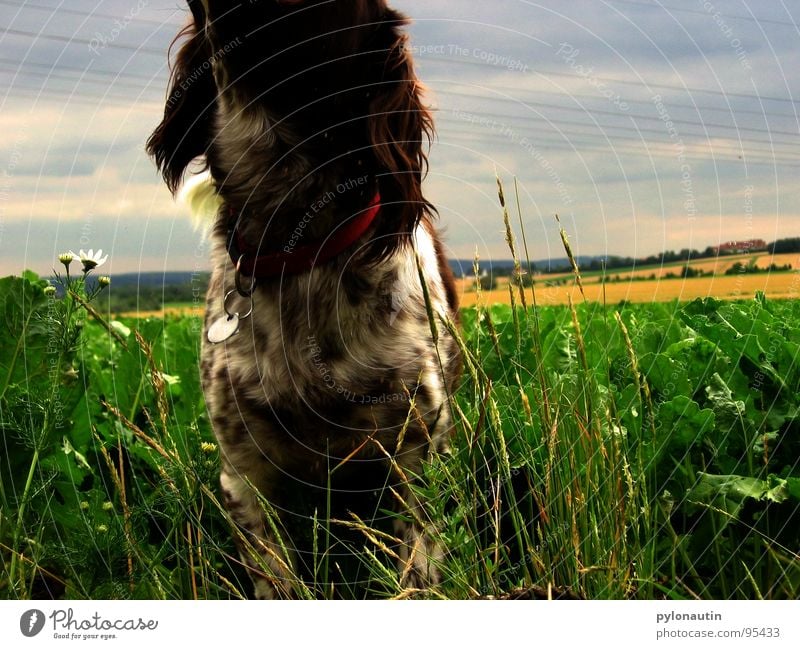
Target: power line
<point x="83" y="41"/>
<point x="578" y="147"/>
<point x="84" y="98"/>
<point x="441" y="59"/>
<point x="450" y="132"/>
<point x="514" y="92"/>
<point x="120" y="80"/>
<point x="650" y="118"/>
<point x="500" y="89"/>
<point x="437" y="58"/>
<point x="524" y="118"/>
<point x="87" y="14"/>
<point x="596" y="141"/>
<point x="602" y="127"/>
<point x="61" y="77"/>
<point x="72" y="68"/>
<point x="606" y="137"/>
<point x="703" y="13"/>
<point x="433" y="57"/>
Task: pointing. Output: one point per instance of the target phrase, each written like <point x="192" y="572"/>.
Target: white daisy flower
<point x="91" y="259"/>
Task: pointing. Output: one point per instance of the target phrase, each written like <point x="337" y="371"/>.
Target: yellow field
<point x="721" y="286"/>
<point x="726" y="287"/>
<point x="719" y="265"/>
<point x="777" y="286"/>
<point x="170" y="310"/>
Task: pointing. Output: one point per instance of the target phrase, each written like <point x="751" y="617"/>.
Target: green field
<point x="639" y="451"/>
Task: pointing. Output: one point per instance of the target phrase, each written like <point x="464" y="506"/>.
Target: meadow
<point x="661" y="283"/>
<point x="716" y="277"/>
<point x="602" y="450"/>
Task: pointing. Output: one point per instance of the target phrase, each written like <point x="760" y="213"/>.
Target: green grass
<point x="647" y="451"/>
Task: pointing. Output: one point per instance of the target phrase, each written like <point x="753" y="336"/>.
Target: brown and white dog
<point x="321" y="374"/>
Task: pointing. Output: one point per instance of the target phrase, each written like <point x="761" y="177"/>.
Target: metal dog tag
<point x="224" y="328"/>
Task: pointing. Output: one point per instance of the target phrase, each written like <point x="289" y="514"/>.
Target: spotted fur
<point x="335" y="382"/>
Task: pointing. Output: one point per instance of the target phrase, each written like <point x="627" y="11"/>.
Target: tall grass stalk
<point x="554" y="486"/>
<point x="558" y="511"/>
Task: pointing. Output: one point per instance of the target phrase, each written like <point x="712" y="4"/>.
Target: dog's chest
<point x="333" y="335"/>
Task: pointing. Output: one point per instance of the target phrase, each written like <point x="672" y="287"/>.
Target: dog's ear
<point x="400" y="132"/>
<point x="185" y="131"/>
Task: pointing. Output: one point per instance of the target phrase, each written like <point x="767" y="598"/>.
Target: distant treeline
<point x="137" y="293"/>
<point x="670" y="256"/>
<point x="751" y="269"/>
<point x="129" y="297"/>
<point x="667" y="257"/>
<point x="784" y="245"/>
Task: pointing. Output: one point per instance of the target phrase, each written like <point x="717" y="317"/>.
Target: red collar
<point x="300" y="258"/>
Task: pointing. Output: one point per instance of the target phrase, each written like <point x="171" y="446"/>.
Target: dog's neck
<point x="278" y="180"/>
<point x="299" y="254"/>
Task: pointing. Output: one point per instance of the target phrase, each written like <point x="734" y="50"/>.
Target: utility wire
<point x="686" y="135"/>
<point x="730" y="146"/>
<point x="650" y="118"/>
<point x="90" y="14"/>
<point x="20" y="65"/>
<point x="438" y="58"/>
<point x="514" y="93"/>
<point x="83" y="41"/>
<point x="119" y="81"/>
<point x="450" y="127"/>
<point x="658" y="5"/>
<point x="518" y="92"/>
<point x="577" y="147"/>
<point x="448" y="115"/>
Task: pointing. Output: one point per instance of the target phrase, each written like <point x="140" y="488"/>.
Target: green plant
<point x="642" y="451"/>
<point x="107" y="457"/>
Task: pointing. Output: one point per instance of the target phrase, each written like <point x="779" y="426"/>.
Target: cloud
<point x="133" y="244"/>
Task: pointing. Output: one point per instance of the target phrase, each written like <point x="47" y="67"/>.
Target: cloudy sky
<point x="646" y="125"/>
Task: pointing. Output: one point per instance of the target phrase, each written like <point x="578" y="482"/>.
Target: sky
<point x="645" y="125"/>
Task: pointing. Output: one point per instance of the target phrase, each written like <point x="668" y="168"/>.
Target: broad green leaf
<point x="729" y="493"/>
<point x="666" y="376"/>
<point x="727" y="410"/>
<point x="681" y="423"/>
<point x="28" y="333"/>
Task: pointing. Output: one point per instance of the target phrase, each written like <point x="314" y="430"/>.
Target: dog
<point x="323" y="371"/>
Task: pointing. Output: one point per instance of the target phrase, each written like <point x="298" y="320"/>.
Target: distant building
<point x="738" y="247"/>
